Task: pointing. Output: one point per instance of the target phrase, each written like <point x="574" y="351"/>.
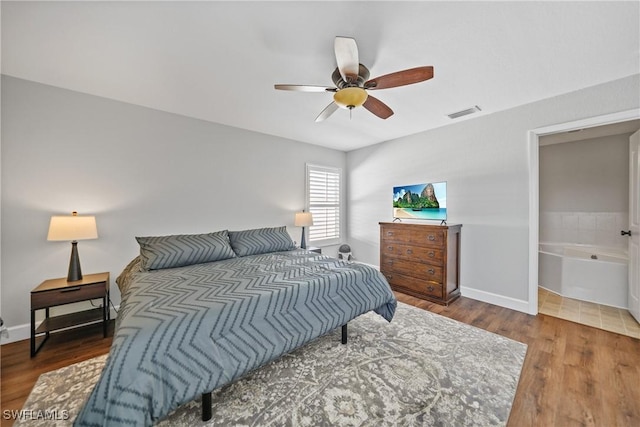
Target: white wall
<point x="144" y="172"/>
<point x="485" y="163"/>
<point x="584" y="191"/>
<point x="139" y="171"/>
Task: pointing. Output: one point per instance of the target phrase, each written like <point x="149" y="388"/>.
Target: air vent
<point x="468" y="111"/>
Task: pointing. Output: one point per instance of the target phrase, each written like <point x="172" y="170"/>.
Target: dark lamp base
<point x="75" y="272"/>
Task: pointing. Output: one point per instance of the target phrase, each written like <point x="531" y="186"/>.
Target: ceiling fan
<point x="352" y="82"/>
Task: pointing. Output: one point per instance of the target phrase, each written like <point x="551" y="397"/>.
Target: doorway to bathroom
<point x="579" y="204"/>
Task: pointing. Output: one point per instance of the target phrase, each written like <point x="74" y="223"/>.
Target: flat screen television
<point x="421" y="201"/>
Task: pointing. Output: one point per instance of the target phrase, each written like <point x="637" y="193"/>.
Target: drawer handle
<point x="409" y="251"/>
<point x="430" y="288"/>
<point x="390" y="248"/>
<point x="75" y="288"/>
<point x="431" y="271"/>
<point x="390" y="262"/>
<point x="389" y="233"/>
<point x="431" y="237"/>
<point x="431" y="254"/>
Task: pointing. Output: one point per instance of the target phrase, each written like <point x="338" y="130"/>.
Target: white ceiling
<point x="218" y="61"/>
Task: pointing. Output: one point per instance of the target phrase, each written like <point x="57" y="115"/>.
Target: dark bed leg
<point x="344" y="334"/>
<point x="206" y="406"/>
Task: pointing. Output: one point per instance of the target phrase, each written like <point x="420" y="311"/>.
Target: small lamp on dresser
<point x="73" y="228"/>
<point x="303" y="219"/>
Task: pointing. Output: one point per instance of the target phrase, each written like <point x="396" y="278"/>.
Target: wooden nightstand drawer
<point x="67" y="295"/>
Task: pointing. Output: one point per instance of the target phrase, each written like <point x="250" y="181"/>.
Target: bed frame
<point x="207" y="410"/>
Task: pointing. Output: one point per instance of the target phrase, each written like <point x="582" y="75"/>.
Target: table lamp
<point x="303" y="219"/>
<point x="73" y="227"/>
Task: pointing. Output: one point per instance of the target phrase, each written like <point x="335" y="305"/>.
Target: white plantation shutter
<point x="323" y="201"/>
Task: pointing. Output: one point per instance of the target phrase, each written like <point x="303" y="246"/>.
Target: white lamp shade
<point x="303" y="219"/>
<point x="72" y="227"/>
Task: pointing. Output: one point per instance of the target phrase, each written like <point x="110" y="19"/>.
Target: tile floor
<point x="587" y="313"/>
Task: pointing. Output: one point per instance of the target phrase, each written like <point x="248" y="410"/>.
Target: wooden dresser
<point x="422" y="260"/>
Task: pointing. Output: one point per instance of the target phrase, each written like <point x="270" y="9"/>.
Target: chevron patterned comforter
<point x="186" y="331"/>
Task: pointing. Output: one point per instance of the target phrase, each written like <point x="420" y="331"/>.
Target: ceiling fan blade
<point x="329" y="110"/>
<point x="346" y="51"/>
<point x="306" y="88"/>
<point x="378" y="107"/>
<point x="400" y="78"/>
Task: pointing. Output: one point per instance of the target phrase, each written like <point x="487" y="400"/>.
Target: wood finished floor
<point x="573" y="375"/>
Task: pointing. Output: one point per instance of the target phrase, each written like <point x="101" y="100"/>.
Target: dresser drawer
<point x="67" y="295"/>
<point x="419" y="270"/>
<point x="423" y="287"/>
<point x="414" y="235"/>
<point x="414" y="253"/>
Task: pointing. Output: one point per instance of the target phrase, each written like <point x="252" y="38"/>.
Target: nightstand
<point x="315" y="249"/>
<point x="55" y="292"/>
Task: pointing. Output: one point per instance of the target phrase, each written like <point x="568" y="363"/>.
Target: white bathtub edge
<point x="600" y="250"/>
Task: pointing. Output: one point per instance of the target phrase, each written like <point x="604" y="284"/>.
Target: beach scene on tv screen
<point x="421" y="201"/>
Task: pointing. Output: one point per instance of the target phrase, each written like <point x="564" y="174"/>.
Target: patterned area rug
<point x="422" y="369"/>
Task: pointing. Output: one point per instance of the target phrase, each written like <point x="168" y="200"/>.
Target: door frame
<point x="533" y="137"/>
<point x="633" y="247"/>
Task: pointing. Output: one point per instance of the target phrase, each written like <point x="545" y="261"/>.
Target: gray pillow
<point x="261" y="241"/>
<point x="157" y="252"/>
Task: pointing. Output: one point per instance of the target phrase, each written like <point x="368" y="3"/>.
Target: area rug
<point x="422" y="369"/>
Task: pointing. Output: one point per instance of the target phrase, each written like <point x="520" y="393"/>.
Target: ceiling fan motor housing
<point x="350" y="94"/>
<point x="363" y="76"/>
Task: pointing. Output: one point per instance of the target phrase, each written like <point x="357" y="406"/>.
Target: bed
<point x="200" y="311"/>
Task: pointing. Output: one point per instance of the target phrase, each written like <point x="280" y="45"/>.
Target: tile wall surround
<point x="585" y="228"/>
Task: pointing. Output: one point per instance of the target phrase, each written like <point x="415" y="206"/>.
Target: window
<point x="323" y="201"/>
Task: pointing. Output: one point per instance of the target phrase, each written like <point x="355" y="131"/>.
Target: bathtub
<point x="588" y="273"/>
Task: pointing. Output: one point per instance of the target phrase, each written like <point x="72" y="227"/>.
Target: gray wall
<point x="142" y="171"/>
<point x="584" y="191"/>
<point x="485" y="161"/>
<point x="139" y="171"/>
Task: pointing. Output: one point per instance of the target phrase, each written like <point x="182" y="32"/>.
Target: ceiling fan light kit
<point x="350" y="97"/>
<point x="352" y="82"/>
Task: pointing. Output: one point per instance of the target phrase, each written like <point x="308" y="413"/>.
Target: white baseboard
<point x="23" y="332"/>
<point x="488" y="297"/>
<point x="495" y="299"/>
<point x="17" y="333"/>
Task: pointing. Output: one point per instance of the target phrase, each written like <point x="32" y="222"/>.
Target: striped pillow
<point x="261" y="241"/>
<point x="157" y="252"/>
